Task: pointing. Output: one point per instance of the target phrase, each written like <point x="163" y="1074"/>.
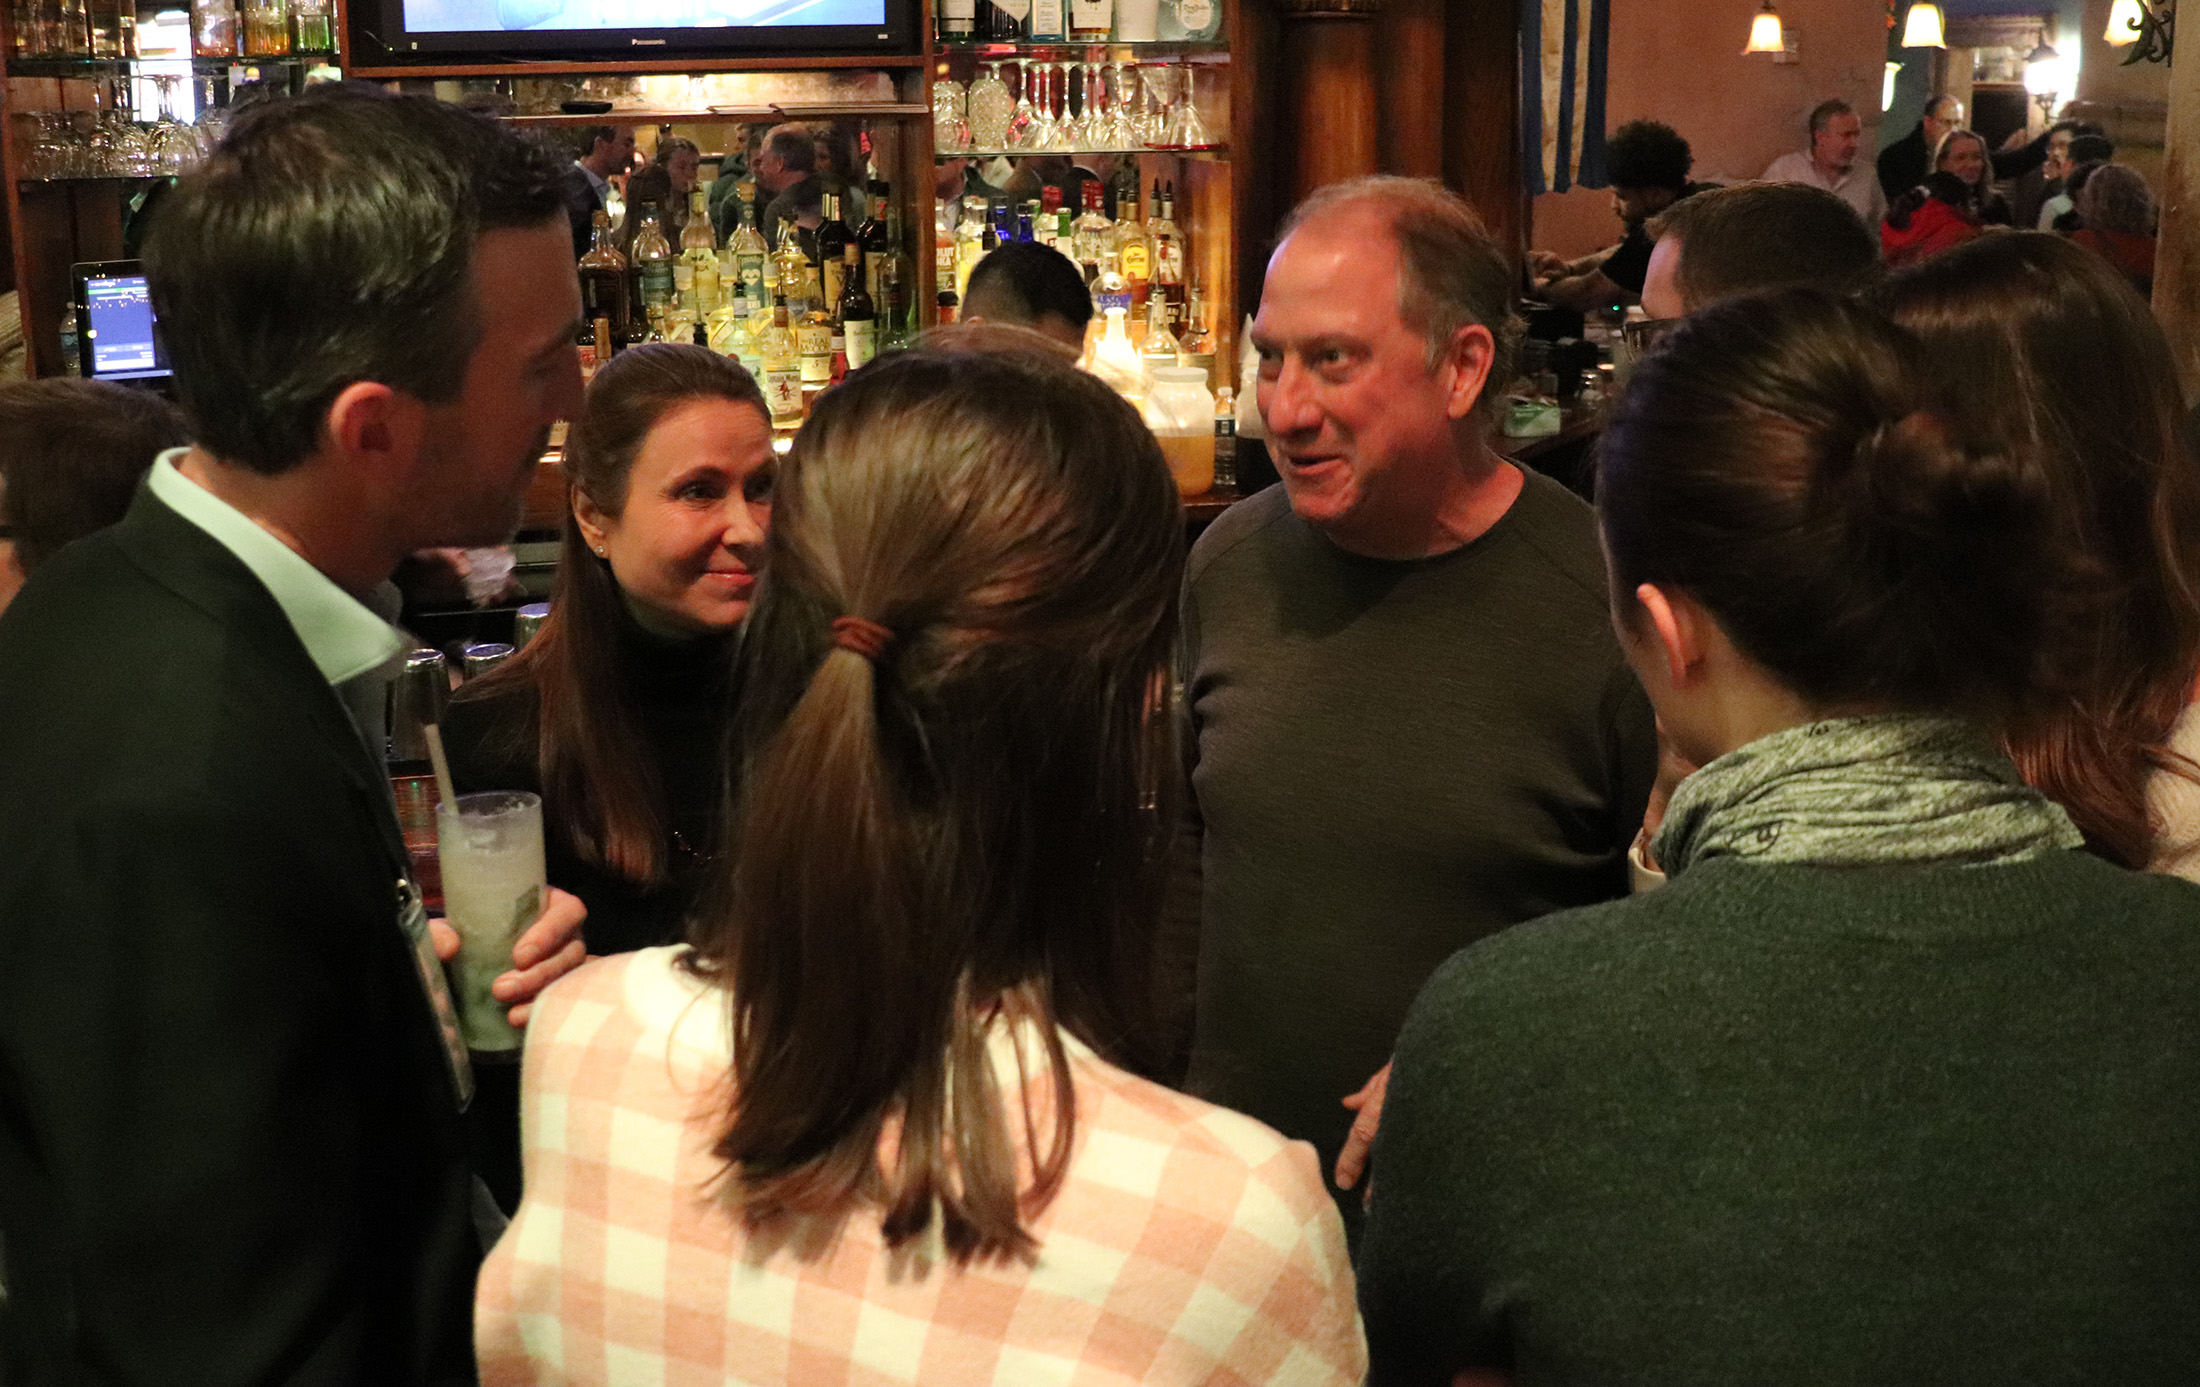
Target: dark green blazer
<point x="230" y="1150"/>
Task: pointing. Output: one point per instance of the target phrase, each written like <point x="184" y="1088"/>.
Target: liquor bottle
<point x="1168" y="251"/>
<point x="653" y="261"/>
<point x="782" y="378"/>
<point x="699" y="248"/>
<point x="1002" y="21"/>
<point x="832" y="236"/>
<point x="794" y="272"/>
<point x="1046" y="22"/>
<point x="312" y="26"/>
<point x="872" y="237"/>
<point x="266" y="29"/>
<point x="891" y="298"/>
<point x="1190" y="20"/>
<point x="1109" y="288"/>
<point x="969" y="243"/>
<point x="584" y="342"/>
<point x="1065" y="233"/>
<point x="858" y="313"/>
<point x="1024" y="230"/>
<point x="958" y="21"/>
<point x="1091" y="21"/>
<point x="1092" y="234"/>
<point x="946" y="235"/>
<point x="606" y="344"/>
<point x="1135" y="248"/>
<point x="603" y="278"/>
<point x="1198" y="346"/>
<point x="1160" y="345"/>
<point x="748" y="349"/>
<point x="813" y="342"/>
<point x="104" y="22"/>
<point x="750" y="253"/>
<point x="214" y="28"/>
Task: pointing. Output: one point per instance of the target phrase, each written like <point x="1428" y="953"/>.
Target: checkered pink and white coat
<point x="1188" y="1244"/>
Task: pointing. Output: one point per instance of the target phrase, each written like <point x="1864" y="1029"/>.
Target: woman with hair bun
<point x="876" y="1125"/>
<point x="1889" y="1083"/>
<point x="2062" y="360"/>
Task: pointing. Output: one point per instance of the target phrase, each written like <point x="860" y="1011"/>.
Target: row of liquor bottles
<point x="1134" y="262"/>
<point x="1078" y="21"/>
<point x="798" y="317"/>
<point x="108" y="29"/>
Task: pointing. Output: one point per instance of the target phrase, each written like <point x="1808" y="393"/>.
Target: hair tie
<point x="865" y="638"/>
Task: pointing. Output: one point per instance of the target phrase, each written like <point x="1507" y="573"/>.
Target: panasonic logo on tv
<point x="647" y="43"/>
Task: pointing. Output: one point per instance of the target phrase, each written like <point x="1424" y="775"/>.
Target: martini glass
<point x="1025" y="121"/>
<point x="1186" y="129"/>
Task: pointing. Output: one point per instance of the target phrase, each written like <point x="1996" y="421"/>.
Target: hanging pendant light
<point x="1764" y="32"/>
<point x="2124" y="22"/>
<point x="1924" y="27"/>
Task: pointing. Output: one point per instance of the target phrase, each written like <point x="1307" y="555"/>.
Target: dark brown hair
<point x="2071" y="366"/>
<point x="1760" y="235"/>
<point x="327" y="240"/>
<point x="599" y="783"/>
<point x="71" y="455"/>
<point x="973" y="828"/>
<point x="1779" y="458"/>
<point x="1451" y="271"/>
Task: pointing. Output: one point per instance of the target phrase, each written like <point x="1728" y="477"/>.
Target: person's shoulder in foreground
<point x="1788" y="1123"/>
<point x="1187" y="1243"/>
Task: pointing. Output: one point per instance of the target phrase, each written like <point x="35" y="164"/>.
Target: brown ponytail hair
<point x="1780" y="459"/>
<point x="600" y="787"/>
<point x="2069" y="364"/>
<point x="975" y="825"/>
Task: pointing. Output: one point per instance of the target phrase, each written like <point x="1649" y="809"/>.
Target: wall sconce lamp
<point x="1923" y="28"/>
<point x="1764" y="32"/>
<point x="2044" y="78"/>
<point x="2147" y="26"/>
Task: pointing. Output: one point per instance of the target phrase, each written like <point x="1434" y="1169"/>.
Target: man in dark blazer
<point x="230" y="1095"/>
<point x="1904" y="164"/>
<point x="605" y="150"/>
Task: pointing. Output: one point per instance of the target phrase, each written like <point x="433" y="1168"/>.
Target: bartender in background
<point x="1648" y="163"/>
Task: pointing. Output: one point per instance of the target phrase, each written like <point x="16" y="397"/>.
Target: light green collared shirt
<point x="342" y="635"/>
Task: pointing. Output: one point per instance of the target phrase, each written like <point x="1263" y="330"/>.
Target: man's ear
<point x="377" y="430"/>
<point x="1472" y="355"/>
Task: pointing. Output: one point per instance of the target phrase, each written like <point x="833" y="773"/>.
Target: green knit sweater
<point x="1793" y="1125"/>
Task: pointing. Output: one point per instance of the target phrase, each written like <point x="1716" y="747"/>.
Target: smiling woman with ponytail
<point x="879" y="1117"/>
<point x="1891" y="1082"/>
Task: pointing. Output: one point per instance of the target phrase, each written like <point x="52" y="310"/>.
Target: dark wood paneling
<point x="1482" y="115"/>
<point x="1410" y="42"/>
<point x="1331" y="65"/>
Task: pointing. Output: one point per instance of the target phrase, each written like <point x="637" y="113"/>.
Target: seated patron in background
<point x="1928" y="220"/>
<point x="231" y="1141"/>
<point x="2043" y="178"/>
<point x="617" y="711"/>
<point x="2116" y="222"/>
<point x="787" y="188"/>
<point x="605" y="150"/>
<point x="1728" y="241"/>
<point x="1904" y="164"/>
<point x="1648" y="165"/>
<point x="72" y="453"/>
<point x="2059" y="211"/>
<point x="2070" y="366"/>
<point x="665" y="184"/>
<point x="1836" y="134"/>
<point x="1889" y="1083"/>
<point x="1032" y="286"/>
<point x="953" y="827"/>
<point x="1410" y="723"/>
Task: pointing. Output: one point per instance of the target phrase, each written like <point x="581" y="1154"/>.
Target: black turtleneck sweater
<point x="680" y="694"/>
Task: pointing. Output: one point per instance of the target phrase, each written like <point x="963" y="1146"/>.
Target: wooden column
<point x="2177" y="250"/>
<point x="1329" y="56"/>
<point x="1409" y="38"/>
<point x="1482" y="106"/>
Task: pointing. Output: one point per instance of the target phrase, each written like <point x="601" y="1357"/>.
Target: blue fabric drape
<point x="1564" y="47"/>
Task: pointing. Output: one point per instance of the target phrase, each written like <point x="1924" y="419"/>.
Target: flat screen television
<point x="642" y="29"/>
